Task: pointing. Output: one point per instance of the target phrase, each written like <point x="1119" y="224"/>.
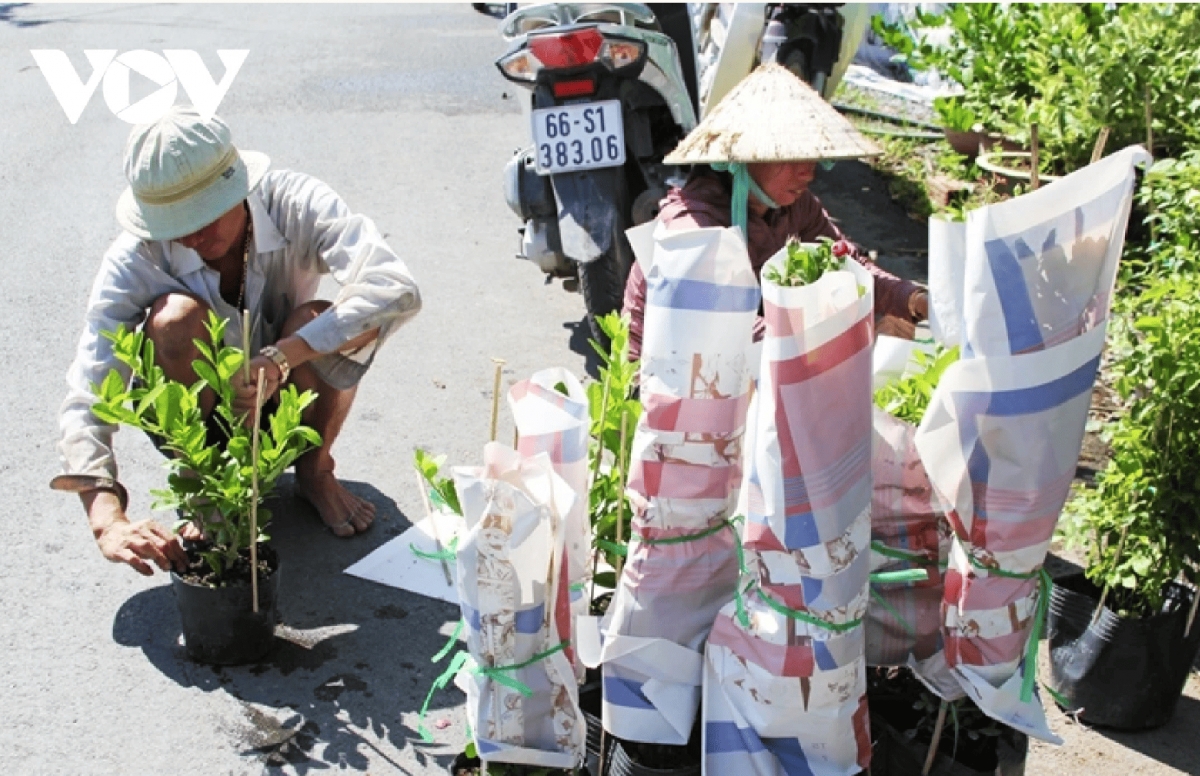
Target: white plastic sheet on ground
<point x="556" y="424"/>
<point x="1001" y="437"/>
<point x="785" y="686"/>
<point x="701" y="300"/>
<point x="522" y="698"/>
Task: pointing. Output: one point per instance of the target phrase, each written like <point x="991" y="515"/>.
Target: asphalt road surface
<point x="400" y="109"/>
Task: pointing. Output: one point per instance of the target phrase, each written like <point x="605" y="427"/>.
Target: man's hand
<point x="245" y="392"/>
<point x="137" y="544"/>
<point x="140" y="544"/>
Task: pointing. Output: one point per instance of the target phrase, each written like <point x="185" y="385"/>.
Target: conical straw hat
<point x="772" y="116"/>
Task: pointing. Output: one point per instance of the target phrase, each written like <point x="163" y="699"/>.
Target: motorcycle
<point x="816" y="41"/>
<point x="608" y="101"/>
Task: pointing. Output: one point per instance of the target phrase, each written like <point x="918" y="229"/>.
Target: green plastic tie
<point x="911" y="557"/>
<point x="1029" y="679"/>
<point x="805" y="617"/>
<point x="732" y="524"/>
<point x="891" y="577"/>
<point x="498" y="674"/>
<point x="743" y="186"/>
<point x="450" y="553"/>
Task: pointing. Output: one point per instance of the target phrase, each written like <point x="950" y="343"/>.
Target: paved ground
<point x="400" y="109"/>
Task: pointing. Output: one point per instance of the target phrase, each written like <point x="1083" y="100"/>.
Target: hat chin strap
<point x="743" y="186"/>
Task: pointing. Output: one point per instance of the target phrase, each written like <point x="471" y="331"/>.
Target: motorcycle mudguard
<point x="589" y="204"/>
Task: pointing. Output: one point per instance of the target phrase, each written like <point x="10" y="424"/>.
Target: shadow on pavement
<point x="1173" y="744"/>
<point x="351" y="656"/>
<point x="580" y="343"/>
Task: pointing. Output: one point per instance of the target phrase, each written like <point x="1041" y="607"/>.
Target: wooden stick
<point x="1192" y="614"/>
<point x="1101" y="141"/>
<point x="499" y="362"/>
<point x="1033" y="157"/>
<point x="622" y="465"/>
<point x="245" y="345"/>
<point x="437" y="537"/>
<point x="1149" y="123"/>
<point x="596" y="473"/>
<point x="937" y="737"/>
<point x="1104" y="592"/>
<point x="258" y="400"/>
<point x="603" y="750"/>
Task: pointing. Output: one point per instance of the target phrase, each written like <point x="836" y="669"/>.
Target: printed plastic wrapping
<point x="556" y="424"/>
<point x="696" y="374"/>
<point x="908" y="531"/>
<point x="522" y="697"/>
<point x="785" y="676"/>
<point x="1001" y="437"/>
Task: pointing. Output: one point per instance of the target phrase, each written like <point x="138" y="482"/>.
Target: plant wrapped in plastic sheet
<point x="785" y="681"/>
<point x="1002" y="434"/>
<point x="696" y="374"/>
<point x="550" y="411"/>
<point x="522" y="697"/>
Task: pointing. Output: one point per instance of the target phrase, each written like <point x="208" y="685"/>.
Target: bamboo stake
<point x="437" y="536"/>
<point x="1033" y="157"/>
<point x="937" y="736"/>
<point x="499" y="362"/>
<point x="1101" y="141"/>
<point x="258" y="400"/>
<point x="1192" y="614"/>
<point x="1104" y="592"/>
<point x="596" y="473"/>
<point x="1149" y="122"/>
<point x="245" y="345"/>
<point x="622" y="465"/>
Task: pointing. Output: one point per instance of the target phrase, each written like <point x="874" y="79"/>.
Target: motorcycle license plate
<point x="578" y="137"/>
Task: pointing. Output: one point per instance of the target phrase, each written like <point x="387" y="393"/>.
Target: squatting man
<point x="210" y="228"/>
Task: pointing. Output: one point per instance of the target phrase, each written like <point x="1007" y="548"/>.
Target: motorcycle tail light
<point x="621" y="53"/>
<point x="568" y="49"/>
<point x="574" y="88"/>
<point x="520" y="66"/>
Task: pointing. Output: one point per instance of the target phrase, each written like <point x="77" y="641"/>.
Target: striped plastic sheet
<point x="556" y="424"/>
<point x="521" y="708"/>
<point x="1001" y="438"/>
<point x="785" y="686"/>
<point x="696" y="373"/>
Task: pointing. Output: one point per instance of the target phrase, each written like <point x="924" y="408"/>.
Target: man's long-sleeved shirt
<point x="301" y="231"/>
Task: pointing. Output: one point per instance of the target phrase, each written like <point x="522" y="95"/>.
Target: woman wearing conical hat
<point x="754" y="156"/>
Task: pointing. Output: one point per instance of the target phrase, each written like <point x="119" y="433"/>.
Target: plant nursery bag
<point x="1119" y="672"/>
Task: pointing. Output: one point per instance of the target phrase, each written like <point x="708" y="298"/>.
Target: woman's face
<point x="783" y="182"/>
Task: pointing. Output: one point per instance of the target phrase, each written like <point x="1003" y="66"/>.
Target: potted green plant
<point x="213" y="486"/>
<point x="913" y="732"/>
<point x="1123" y="634"/>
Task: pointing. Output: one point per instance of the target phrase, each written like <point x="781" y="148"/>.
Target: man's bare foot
<point x="344" y="513"/>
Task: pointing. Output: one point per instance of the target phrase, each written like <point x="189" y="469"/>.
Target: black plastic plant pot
<point x="895" y="754"/>
<point x="591" y="698"/>
<point x="473" y="765"/>
<point x="220" y="626"/>
<point x="1119" y="672"/>
<point x="623" y="765"/>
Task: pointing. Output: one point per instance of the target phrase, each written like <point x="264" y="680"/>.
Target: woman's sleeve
<point x="891" y="293"/>
<point x="635" y="308"/>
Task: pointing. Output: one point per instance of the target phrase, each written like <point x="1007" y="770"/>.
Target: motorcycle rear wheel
<point x="602" y="281"/>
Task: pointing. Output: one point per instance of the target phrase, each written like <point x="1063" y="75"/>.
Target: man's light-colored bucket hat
<point x="184" y="173"/>
<point x="772" y="116"/>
